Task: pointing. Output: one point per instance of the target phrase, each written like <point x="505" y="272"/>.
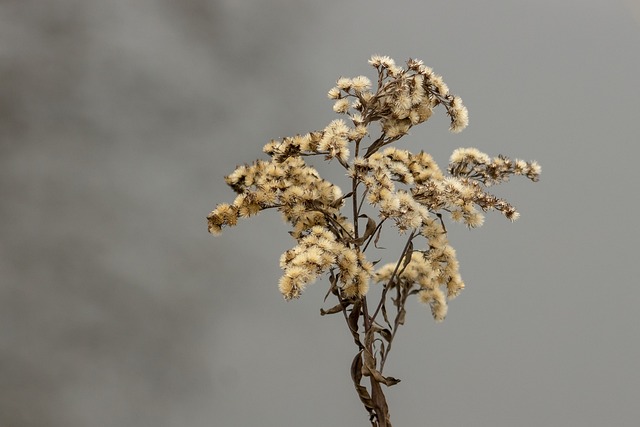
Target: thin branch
<point x="393" y="275"/>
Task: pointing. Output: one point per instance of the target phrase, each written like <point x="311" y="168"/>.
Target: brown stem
<point x="394" y="274"/>
<point x="375" y="402"/>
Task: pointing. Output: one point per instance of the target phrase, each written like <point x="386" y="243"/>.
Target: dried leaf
<point x="338" y="202"/>
<point x="353" y="318"/>
<point x="369" y="369"/>
<point x="407" y="255"/>
<point x="401" y="315"/>
<point x="377" y="144"/>
<point x="356" y="376"/>
<point x="384" y="314"/>
<point x="369" y="230"/>
<point x="375" y="242"/>
<point x="386" y="334"/>
<point x="391" y="381"/>
<point x="376" y="328"/>
<point x="333" y="310"/>
<point x="371" y="227"/>
<point x="382" y="349"/>
<point x="369" y="362"/>
<point x="356" y="368"/>
<point x="333" y="289"/>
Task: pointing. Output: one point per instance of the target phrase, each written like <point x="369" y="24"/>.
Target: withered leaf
<point x="384" y="314"/>
<point x="375" y="242"/>
<point x="353" y="318"/>
<point x="338" y="202"/>
<point x="356" y="368"/>
<point x="369" y="230"/>
<point x="369" y="369"/>
<point x="356" y="376"/>
<point x="401" y="316"/>
<point x="407" y="255"/>
<point x="333" y="289"/>
<point x="333" y="310"/>
<point x="371" y="227"/>
<point x="386" y="334"/>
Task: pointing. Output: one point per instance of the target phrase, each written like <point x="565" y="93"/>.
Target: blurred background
<point x="119" y="120"/>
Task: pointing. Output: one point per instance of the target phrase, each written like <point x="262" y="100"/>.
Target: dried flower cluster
<point x="427" y="272"/>
<point x="403" y="98"/>
<point x="316" y="252"/>
<point x="408" y="190"/>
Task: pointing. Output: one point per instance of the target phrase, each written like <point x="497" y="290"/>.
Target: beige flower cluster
<point x="378" y="173"/>
<point x="471" y="163"/>
<point x="463" y="192"/>
<point x="404" y="98"/>
<point x="428" y="272"/>
<point x="408" y="189"/>
<point x="332" y="142"/>
<point x="292" y="187"/>
<point x="315" y="253"/>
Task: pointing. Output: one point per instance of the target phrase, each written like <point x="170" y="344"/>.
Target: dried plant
<point x="408" y="190"/>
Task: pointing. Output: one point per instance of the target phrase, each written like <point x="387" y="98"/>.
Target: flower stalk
<point x="409" y="191"/>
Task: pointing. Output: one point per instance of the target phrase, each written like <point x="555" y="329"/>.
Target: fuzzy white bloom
<point x="535" y="168"/>
<point x="379" y="60"/>
<point x="344" y="83"/>
<point x="334" y="93"/>
<point x="437" y="300"/>
<point x="440" y="85"/>
<point x="341" y="106"/>
<point x="360" y="84"/>
<point x="459" y="115"/>
<point x="469" y="155"/>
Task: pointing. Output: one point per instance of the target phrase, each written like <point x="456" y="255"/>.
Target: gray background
<point x="119" y="119"/>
